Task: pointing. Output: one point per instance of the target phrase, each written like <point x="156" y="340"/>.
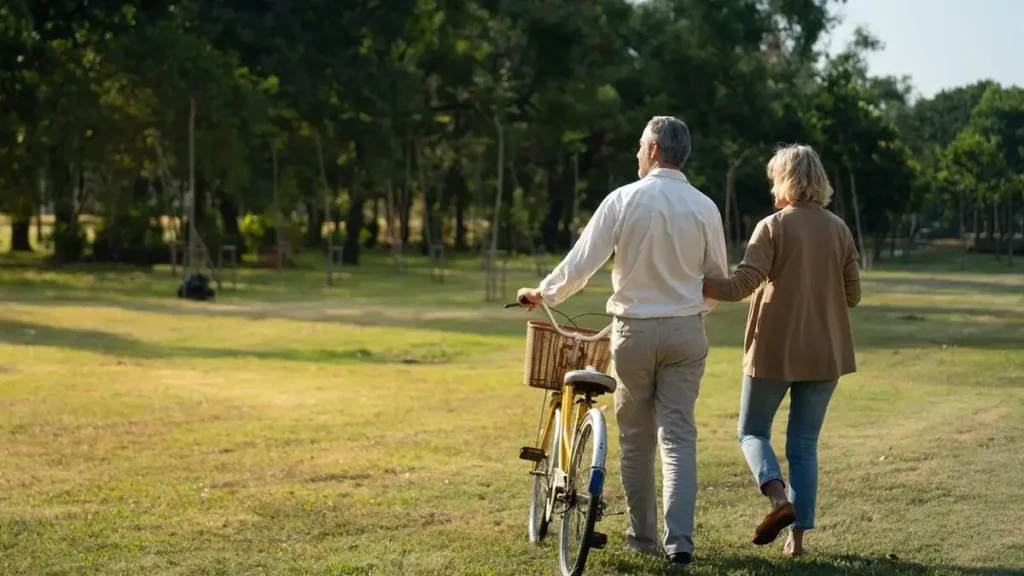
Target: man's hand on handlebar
<point x="529" y="298"/>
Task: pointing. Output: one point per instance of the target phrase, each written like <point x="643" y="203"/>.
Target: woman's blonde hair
<point x="798" y="176"/>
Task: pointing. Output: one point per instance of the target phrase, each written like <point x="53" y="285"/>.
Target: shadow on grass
<point x="817" y="565"/>
<point x="875" y="326"/>
<point x="943" y="285"/>
<point x="854" y="564"/>
<point x="368" y="283"/>
<point x="98" y="342"/>
<point x="413" y="300"/>
<point x="892" y="327"/>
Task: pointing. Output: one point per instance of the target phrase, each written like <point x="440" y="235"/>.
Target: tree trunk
<point x="353" y="226"/>
<point x="514" y="233"/>
<point x="62" y="191"/>
<point x="977" y="233"/>
<point x="39" y="221"/>
<point x="911" y="232"/>
<point x="856" y="211"/>
<point x="461" y="245"/>
<point x="458" y="191"/>
<point x="993" y="232"/>
<point x="373" y="226"/>
<point x="730" y="192"/>
<point x="426" y="232"/>
<point x="556" y="205"/>
<point x="442" y="208"/>
<point x="840" y="198"/>
<point x="403" y="214"/>
<point x="228" y="207"/>
<point x="738" y="241"/>
<point x="963" y="232"/>
<point x="20" y="230"/>
<point x="478" y="202"/>
<point x="328" y="210"/>
<point x="575" y="198"/>
<point x="894" y="231"/>
<point x="501" y="184"/>
<point x="66" y="246"/>
<point x="314" y="230"/>
<point x="405" y="200"/>
<point x="1010" y="229"/>
<point x="191" y="261"/>
<point x="200" y="191"/>
<point x="508" y="198"/>
<point x="390" y="210"/>
<point x="427" y="228"/>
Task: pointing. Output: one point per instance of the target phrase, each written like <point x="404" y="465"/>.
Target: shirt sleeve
<point x="756" y="265"/>
<point x="591" y="251"/>
<point x="716" y="256"/>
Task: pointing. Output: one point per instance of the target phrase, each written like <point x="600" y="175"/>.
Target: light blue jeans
<point x="759" y="402"/>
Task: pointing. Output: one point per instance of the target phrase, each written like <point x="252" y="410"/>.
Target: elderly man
<point x="666" y="236"/>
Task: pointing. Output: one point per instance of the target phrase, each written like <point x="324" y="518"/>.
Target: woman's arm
<point x="851" y="273"/>
<point x="757" y="263"/>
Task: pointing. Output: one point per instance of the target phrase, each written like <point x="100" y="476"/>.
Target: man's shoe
<point x="680" y="558"/>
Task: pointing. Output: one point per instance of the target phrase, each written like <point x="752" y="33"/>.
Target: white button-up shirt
<point x="666" y="236"/>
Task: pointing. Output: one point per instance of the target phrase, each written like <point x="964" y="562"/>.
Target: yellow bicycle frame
<point x="570" y="421"/>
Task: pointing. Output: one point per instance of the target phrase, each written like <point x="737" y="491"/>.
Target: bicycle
<point x="571" y="366"/>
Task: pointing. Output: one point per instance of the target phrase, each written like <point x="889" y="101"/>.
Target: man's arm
<point x="716" y="255"/>
<point x="591" y="251"/>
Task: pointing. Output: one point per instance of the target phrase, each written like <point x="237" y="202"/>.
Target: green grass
<point x="372" y="428"/>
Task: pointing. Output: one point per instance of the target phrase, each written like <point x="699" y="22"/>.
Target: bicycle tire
<point x="541" y="505"/>
<point x="573" y="555"/>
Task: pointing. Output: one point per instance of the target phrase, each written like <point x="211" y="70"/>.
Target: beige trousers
<point x="658" y="364"/>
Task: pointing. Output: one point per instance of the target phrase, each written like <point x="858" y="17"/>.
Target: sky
<point x="940" y="43"/>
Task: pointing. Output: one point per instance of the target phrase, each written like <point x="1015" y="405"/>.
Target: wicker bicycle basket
<point x="547" y="352"/>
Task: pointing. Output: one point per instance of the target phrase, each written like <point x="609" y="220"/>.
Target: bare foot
<point x="794" y="544"/>
<point x="776" y="493"/>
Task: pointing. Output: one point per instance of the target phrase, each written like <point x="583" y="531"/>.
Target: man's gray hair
<point x="673" y="138"/>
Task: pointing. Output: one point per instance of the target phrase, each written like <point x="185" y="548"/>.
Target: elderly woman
<point x="801" y="267"/>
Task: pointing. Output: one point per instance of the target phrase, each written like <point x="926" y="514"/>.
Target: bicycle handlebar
<point x="576" y="335"/>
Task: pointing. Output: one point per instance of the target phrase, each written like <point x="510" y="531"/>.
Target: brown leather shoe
<point x="768" y="530"/>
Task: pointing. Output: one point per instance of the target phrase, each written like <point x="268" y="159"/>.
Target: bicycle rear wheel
<point x="541" y="505"/>
<point x="585" y="484"/>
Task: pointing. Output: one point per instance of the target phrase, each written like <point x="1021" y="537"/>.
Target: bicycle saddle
<point x="590" y="382"/>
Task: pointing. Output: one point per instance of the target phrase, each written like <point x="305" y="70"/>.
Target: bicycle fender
<point x="597" y="473"/>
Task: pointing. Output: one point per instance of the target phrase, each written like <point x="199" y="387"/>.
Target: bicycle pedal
<point x="598" y="540"/>
<point x="532" y="454"/>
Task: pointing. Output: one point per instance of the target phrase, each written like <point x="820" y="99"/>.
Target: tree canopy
<point x="461" y="122"/>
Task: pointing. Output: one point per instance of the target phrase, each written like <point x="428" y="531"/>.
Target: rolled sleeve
<point x="716" y="255"/>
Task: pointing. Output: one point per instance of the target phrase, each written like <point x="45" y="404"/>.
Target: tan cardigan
<point x="798" y="326"/>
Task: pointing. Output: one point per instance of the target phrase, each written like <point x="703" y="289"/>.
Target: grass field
<point x="373" y="427"/>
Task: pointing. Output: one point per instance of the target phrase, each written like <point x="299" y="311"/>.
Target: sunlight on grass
<point x="372" y="428"/>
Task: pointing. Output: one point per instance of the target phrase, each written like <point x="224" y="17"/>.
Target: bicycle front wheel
<point x="544" y="472"/>
<point x="582" y="496"/>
